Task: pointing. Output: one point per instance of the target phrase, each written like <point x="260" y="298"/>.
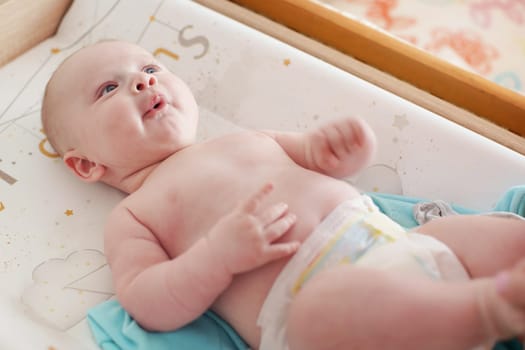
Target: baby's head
<point x="112" y="108"/>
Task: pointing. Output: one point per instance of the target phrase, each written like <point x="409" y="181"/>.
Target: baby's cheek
<point x="124" y="121"/>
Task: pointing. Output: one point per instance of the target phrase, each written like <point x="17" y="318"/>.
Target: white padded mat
<point x="52" y="266"/>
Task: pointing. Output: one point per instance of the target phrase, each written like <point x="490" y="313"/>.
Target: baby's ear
<point x="83" y="168"/>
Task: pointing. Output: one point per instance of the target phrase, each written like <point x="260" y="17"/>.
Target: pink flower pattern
<point x="484" y="36"/>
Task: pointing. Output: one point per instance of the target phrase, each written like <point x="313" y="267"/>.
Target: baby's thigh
<point x="312" y="310"/>
<point x="335" y="308"/>
<point x="484" y="244"/>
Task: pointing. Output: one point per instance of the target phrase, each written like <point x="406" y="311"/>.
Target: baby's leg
<point x="503" y="307"/>
<point x="349" y="307"/>
<point x="485" y="245"/>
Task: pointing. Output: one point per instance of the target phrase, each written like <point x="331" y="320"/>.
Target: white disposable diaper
<point x="357" y="233"/>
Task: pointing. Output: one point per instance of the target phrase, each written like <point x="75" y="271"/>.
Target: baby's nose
<point x="144" y="82"/>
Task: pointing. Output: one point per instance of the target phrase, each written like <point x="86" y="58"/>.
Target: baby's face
<point x="123" y="107"/>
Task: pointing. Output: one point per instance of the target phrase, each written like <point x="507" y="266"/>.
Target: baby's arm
<point x="165" y="294"/>
<point x="339" y="148"/>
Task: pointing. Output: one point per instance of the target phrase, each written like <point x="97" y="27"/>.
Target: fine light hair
<point x="50" y="120"/>
<point x="53" y="122"/>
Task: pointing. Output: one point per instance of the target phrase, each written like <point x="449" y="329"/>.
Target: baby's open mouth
<point x="157" y="105"/>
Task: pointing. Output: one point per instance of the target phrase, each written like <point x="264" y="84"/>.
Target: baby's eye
<point x="150" y="69"/>
<point x="107" y="89"/>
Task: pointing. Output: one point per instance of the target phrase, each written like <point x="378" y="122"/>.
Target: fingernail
<point x="282" y="206"/>
<point x="502" y="282"/>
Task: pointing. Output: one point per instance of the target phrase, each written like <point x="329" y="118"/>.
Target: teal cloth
<point x="513" y="201"/>
<point x="114" y="329"/>
<point x="399" y="208"/>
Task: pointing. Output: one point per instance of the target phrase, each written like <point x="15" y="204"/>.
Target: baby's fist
<point x="342" y="147"/>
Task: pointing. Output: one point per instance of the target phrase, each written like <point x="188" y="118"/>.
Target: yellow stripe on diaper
<point x="383" y="226"/>
<point x="351" y="241"/>
<point x="308" y="272"/>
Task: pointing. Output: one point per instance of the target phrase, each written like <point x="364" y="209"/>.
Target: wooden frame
<point x="461" y="96"/>
<point x="25" y="23"/>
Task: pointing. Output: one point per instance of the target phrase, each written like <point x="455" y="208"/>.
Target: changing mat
<point x="52" y="267"/>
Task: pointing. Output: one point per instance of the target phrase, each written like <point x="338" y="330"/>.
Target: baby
<point x="256" y="226"/>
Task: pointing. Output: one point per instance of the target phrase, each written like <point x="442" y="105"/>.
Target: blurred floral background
<point x="484" y="36"/>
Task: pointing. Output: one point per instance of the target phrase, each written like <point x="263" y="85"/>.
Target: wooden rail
<point x="472" y="92"/>
<point x="25" y="23"/>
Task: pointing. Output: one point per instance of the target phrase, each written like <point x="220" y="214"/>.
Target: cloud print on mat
<point x="379" y="178"/>
<point x="63" y="290"/>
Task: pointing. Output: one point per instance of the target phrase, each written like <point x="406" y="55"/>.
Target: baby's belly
<point x="241" y="303"/>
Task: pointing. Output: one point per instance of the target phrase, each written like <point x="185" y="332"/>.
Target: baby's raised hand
<point x="342" y="147"/>
<point x="246" y="238"/>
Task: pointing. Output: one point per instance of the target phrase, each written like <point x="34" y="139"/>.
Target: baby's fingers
<point x="278" y="228"/>
<point x="273" y="213"/>
<point x="281" y="250"/>
<point x="254" y="202"/>
<point x="337" y="137"/>
<point x="323" y="154"/>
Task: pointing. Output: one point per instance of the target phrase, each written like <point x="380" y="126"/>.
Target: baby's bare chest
<point x="190" y="191"/>
<point x="195" y="188"/>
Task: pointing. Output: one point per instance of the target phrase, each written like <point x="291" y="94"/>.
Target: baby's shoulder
<point x="121" y="213"/>
<point x="249" y="135"/>
<point x="125" y="221"/>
